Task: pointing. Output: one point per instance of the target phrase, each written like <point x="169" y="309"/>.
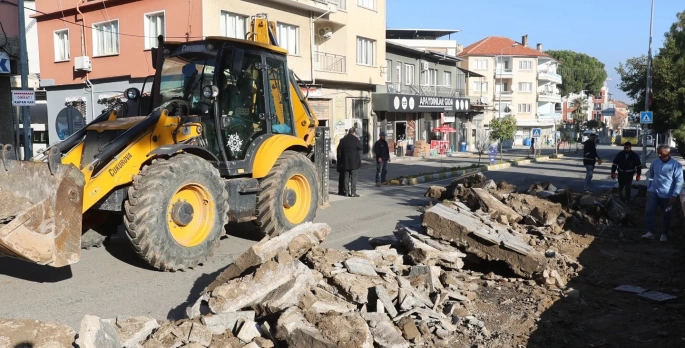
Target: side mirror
<point x="225" y="122"/>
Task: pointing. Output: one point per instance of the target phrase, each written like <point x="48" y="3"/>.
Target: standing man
<point x="350" y="149"/>
<point x="340" y="168"/>
<point x="664" y="182"/>
<point x="590" y="157"/>
<point x="382" y="152"/>
<point x="628" y="163"/>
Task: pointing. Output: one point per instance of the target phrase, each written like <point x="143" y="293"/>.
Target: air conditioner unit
<point x="424" y="66"/>
<point x="82" y="63"/>
<point x="325" y="32"/>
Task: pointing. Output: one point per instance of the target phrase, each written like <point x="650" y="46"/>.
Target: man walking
<point x="350" y="160"/>
<point x="382" y="152"/>
<point x="664" y="182"/>
<point x="627" y="162"/>
<point x="590" y="157"/>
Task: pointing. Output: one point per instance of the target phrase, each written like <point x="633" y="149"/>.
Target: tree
<point x="592" y="124"/>
<point x="618" y="120"/>
<point x="579" y="115"/>
<point x="579" y="72"/>
<point x="566" y="134"/>
<point x="668" y="81"/>
<point x="482" y="142"/>
<point x="502" y="129"/>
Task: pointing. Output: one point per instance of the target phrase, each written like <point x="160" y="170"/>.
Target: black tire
<point x="147" y="217"/>
<point x="98" y="226"/>
<point x="271" y="213"/>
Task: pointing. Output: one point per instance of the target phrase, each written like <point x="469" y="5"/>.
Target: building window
<point x="408" y="74"/>
<point x="388" y="70"/>
<point x="525" y="87"/>
<point x="289" y="38"/>
<point x="234" y="25"/>
<point x="62" y="45"/>
<point x="432" y="77"/>
<point x="525" y="65"/>
<point x="478" y="86"/>
<point x="366" y="54"/>
<point x="106" y="38"/>
<point x="446" y="78"/>
<point x="369" y="4"/>
<point x="359" y="110"/>
<point x="154" y="27"/>
<point x="481" y="64"/>
<point x="524" y="108"/>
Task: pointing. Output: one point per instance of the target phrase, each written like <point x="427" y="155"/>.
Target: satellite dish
<point x="484" y="100"/>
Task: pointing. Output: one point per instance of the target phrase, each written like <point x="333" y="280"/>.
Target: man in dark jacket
<point x="627" y="163"/>
<point x="382" y="152"/>
<point x="590" y="157"/>
<point x="350" y="160"/>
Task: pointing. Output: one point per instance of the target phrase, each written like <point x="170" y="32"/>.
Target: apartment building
<point x="423" y="90"/>
<point x="517" y="80"/>
<point x="101" y="48"/>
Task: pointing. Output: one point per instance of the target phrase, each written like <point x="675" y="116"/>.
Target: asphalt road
<point x="112" y="281"/>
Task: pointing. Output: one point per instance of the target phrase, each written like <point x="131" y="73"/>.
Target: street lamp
<point x="499" y="97"/>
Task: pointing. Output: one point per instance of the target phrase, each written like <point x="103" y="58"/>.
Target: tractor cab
<point x="240" y="90"/>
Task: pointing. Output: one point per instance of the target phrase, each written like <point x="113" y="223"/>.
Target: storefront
<point x="409" y="118"/>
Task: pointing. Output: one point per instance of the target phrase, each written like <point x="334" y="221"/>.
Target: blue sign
<point x="492" y="154"/>
<point x="646" y="117"/>
<point x="4" y="63"/>
<point x="537" y="132"/>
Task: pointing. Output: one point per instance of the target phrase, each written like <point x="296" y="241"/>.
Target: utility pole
<point x="24" y="65"/>
<point x="648" y="90"/>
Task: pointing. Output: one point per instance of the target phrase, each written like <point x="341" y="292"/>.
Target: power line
<point x="88" y="26"/>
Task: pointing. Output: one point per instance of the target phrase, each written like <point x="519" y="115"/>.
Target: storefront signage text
<point x="436" y="101"/>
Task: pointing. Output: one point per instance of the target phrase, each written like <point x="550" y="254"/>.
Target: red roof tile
<point x="493" y="45"/>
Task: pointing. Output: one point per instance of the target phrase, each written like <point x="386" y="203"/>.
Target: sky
<point x="610" y="30"/>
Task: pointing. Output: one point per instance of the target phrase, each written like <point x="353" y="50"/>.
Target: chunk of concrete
<point x="249" y="290"/>
<point x="293" y="327"/>
<point x="289" y="294"/>
<point x="345" y="330"/>
<point x="489" y="243"/>
<point x="386" y="300"/>
<point x="425" y="254"/>
<point x="200" y="334"/>
<point x="617" y="211"/>
<point x="320" y="301"/>
<point x="94" y="333"/>
<point x="387" y="335"/>
<point x="435" y="192"/>
<point x="494" y="207"/>
<point x="356" y="287"/>
<point x="297" y="241"/>
<point x="656" y="296"/>
<point x="249" y="331"/>
<point x="133" y="330"/>
<point x="218" y="324"/>
<point x="360" y="266"/>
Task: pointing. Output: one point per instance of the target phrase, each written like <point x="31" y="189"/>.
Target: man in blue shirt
<point x="664" y="182"/>
<point x="382" y="152"/>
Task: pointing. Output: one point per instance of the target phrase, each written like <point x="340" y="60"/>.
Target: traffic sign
<point x="4" y="63"/>
<point x="537" y="132"/>
<point x="23" y="98"/>
<point x="646" y="117"/>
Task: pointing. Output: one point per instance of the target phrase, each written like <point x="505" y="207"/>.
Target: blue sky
<point x="610" y="30"/>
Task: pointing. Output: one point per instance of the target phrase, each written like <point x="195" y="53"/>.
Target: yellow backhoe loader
<point x="228" y="136"/>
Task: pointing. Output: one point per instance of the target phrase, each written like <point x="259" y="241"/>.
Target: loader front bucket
<point x="40" y="210"/>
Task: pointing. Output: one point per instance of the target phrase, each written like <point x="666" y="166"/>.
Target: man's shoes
<point x="355" y="195"/>
<point x="648" y="235"/>
<point x="378" y="184"/>
<point x="663" y="238"/>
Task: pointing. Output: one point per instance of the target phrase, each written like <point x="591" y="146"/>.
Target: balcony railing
<point x="330" y="62"/>
<point x="503" y="71"/>
<point x="548" y="74"/>
<point x="550" y="96"/>
<point x="439" y="91"/>
<point x="504" y="95"/>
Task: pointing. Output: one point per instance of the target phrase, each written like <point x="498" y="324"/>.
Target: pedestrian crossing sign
<point x="646" y="117"/>
<point x="537" y="132"/>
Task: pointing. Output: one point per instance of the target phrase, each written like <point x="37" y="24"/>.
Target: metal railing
<point x="341" y="4"/>
<point x="330" y="62"/>
<point x="503" y="71"/>
<point x="439" y="91"/>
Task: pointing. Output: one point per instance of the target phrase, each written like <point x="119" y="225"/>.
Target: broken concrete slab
<point x="425" y="254"/>
<point x="494" y="207"/>
<point x="249" y="331"/>
<point x="386" y="300"/>
<point x="356" y="287"/>
<point x="435" y="192"/>
<point x="200" y="334"/>
<point x="345" y="330"/>
<point x="356" y="265"/>
<point x="133" y="330"/>
<point x="222" y="322"/>
<point x="656" y="296"/>
<point x="387" y="335"/>
<point x="319" y="300"/>
<point x="296" y="241"/>
<point x="94" y="333"/>
<point x="630" y="289"/>
<point x="249" y="290"/>
<point x="289" y="294"/>
<point x="488" y="243"/>
<point x="293" y="327"/>
<point x="617" y="211"/>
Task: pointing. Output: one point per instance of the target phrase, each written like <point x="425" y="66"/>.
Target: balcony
<point x="549" y="118"/>
<point x="330" y="63"/>
<point x="504" y="73"/>
<point x="504" y="95"/>
<point x="550" y="97"/>
<point x="318" y="6"/>
<point x="549" y="75"/>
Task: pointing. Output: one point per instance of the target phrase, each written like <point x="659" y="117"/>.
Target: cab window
<point x="280" y="104"/>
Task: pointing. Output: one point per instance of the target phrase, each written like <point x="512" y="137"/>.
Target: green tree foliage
<point x="579" y="72"/>
<point x="592" y="124"/>
<point x="503" y="129"/>
<point x="579" y="116"/>
<point x="668" y="81"/>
